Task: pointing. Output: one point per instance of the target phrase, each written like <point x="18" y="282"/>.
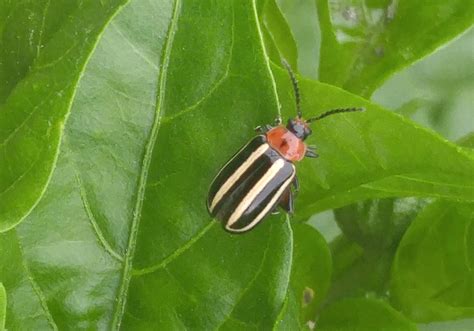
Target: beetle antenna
<point x="294" y="81"/>
<point x="334" y="111"/>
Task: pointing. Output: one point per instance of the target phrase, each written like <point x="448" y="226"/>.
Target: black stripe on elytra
<point x="233" y="165"/>
<point x="265" y="196"/>
<point x="237" y="193"/>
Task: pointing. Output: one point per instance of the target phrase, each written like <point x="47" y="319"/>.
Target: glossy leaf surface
<point x="122" y="237"/>
<point x="44" y="46"/>
<point x="362" y="315"/>
<point x="364" y="41"/>
<point x="432" y="275"/>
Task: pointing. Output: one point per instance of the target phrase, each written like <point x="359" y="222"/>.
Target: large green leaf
<point x="373" y="154"/>
<point x="44" y="46"/>
<point x="122" y="236"/>
<point x="364" y="41"/>
<point x="362" y="315"/>
<point x="432" y="275"/>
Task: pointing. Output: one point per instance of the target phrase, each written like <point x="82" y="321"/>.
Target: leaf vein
<point x="173" y="256"/>
<point x="216" y="85"/>
<point x="127" y="271"/>
<point x="134" y="48"/>
<point x="28" y="117"/>
<point x="252" y="281"/>
<point x="90" y="215"/>
<point x="37" y="289"/>
<point x="41" y="31"/>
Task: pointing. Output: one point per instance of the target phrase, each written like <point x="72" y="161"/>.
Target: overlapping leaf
<point x="365" y="41"/>
<point x="432" y="276"/>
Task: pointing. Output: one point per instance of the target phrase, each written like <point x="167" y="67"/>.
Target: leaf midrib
<point x="130" y="251"/>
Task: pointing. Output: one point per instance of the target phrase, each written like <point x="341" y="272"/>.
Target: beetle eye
<point x="291" y="124"/>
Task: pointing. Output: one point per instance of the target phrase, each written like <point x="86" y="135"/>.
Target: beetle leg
<point x="296" y="184"/>
<point x="310" y="152"/>
<point x="287" y="202"/>
<point x="263" y="128"/>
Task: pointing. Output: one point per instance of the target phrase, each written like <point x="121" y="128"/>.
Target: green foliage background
<point x="116" y="114"/>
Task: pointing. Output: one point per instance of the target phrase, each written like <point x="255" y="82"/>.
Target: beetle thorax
<point x="286" y="143"/>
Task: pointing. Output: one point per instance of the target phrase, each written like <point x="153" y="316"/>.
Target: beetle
<point x="261" y="176"/>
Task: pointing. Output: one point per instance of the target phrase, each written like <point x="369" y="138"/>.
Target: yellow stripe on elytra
<point x="237" y="174"/>
<point x="267" y="207"/>
<point x="256" y="189"/>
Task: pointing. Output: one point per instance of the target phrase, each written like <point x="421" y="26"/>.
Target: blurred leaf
<point x="300" y="15"/>
<point x="279" y="40"/>
<point x="438" y="88"/>
<point x="467" y="141"/>
<point x="374" y="154"/>
<point x="362" y="315"/>
<point x="367" y="273"/>
<point x="458" y="325"/>
<point x="432" y="276"/>
<point x="3" y="306"/>
<point x="44" y="47"/>
<point x="379" y="223"/>
<point x="364" y="41"/>
<point x="344" y="253"/>
<point x="122" y="237"/>
<point x="411" y="107"/>
<point x="377" y="226"/>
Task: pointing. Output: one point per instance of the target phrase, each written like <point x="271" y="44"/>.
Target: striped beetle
<point x="260" y="176"/>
